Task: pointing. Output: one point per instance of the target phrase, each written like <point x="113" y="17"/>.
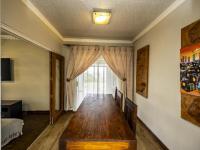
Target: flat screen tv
<point x="6" y="69"/>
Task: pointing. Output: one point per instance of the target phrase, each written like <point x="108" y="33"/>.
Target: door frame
<point x="54" y="115"/>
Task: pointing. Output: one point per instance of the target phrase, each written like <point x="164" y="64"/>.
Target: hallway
<point x="145" y="54"/>
<point x="49" y="138"/>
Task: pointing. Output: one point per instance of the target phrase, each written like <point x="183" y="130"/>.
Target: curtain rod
<point x="99" y="45"/>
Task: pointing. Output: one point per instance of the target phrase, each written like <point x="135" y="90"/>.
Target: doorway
<point x="97" y="79"/>
<point x="56" y="86"/>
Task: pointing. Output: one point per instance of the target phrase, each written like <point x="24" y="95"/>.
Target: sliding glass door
<point x="97" y="79"/>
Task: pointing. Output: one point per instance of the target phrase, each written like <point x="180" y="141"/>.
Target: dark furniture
<point x="98" y="124"/>
<point x="119" y="98"/>
<point x="115" y="94"/>
<point x="6" y="69"/>
<point x="11" y="109"/>
<point x="130" y="112"/>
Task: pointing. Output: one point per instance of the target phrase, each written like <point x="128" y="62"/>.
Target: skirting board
<point x="154" y="136"/>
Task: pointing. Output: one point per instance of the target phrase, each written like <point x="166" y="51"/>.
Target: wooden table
<point x="98" y="125"/>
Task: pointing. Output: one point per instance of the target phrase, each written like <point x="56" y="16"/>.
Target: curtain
<point x="80" y="58"/>
<point x="120" y="60"/>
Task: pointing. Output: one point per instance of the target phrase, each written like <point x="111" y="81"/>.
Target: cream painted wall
<point x="161" y="111"/>
<point x="16" y="15"/>
<point x="31" y="75"/>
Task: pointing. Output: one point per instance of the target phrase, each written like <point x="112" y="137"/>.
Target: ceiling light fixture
<point x="101" y="18"/>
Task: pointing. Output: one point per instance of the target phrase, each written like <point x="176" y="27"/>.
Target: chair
<point x="130" y="112"/>
<point x="118" y="98"/>
<point x="115" y="94"/>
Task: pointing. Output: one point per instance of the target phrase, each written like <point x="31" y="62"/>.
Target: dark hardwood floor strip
<point x="153" y="135"/>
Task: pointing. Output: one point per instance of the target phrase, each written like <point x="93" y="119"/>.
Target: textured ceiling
<point x="72" y="18"/>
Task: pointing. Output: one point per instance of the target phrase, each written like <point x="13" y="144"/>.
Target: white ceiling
<point x="72" y="18"/>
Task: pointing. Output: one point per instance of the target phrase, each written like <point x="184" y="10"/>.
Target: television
<point x="6" y="69"/>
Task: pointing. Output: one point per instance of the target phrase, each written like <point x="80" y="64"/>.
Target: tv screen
<point x="6" y="69"/>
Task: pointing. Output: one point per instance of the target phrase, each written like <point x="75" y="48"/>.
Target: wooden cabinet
<point x="11" y="109"/>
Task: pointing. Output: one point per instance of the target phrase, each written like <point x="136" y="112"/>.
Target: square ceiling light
<point x="101" y="18"/>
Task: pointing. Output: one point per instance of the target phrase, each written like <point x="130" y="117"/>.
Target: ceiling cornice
<point x="88" y="40"/>
<point x="22" y="36"/>
<point x="8" y="37"/>
<point x="162" y="16"/>
<point x="170" y="9"/>
<point x="42" y="17"/>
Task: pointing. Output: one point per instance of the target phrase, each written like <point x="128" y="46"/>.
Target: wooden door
<point x="56" y="86"/>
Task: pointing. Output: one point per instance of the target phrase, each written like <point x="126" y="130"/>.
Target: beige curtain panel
<point x="119" y="59"/>
<point x="80" y="58"/>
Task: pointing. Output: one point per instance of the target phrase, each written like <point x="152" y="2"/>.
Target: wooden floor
<point x="145" y="140"/>
<point x="98" y="119"/>
<point x="34" y="124"/>
<point x="48" y="140"/>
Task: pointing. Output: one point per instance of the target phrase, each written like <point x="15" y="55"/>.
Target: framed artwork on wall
<point x="190" y="73"/>
<point x="142" y="71"/>
<point x="190" y="34"/>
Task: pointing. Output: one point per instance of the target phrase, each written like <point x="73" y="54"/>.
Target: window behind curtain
<point x="97" y="79"/>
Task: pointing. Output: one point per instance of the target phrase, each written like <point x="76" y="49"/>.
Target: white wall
<point x="31" y="75"/>
<point x="161" y="111"/>
<point x="16" y="15"/>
